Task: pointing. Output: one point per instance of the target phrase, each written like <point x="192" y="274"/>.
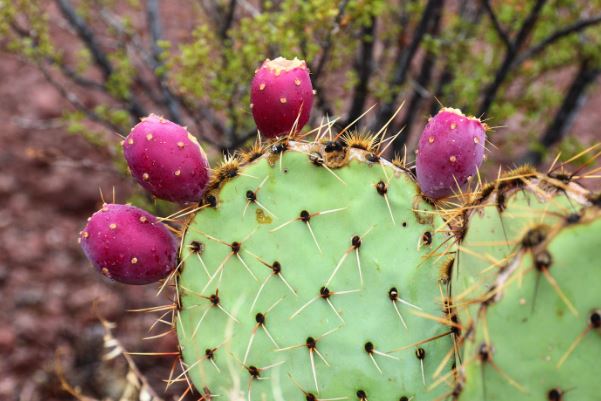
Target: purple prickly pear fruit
<point x="450" y="150"/>
<point x="166" y="160"/>
<point x="129" y="245"/>
<point x="281" y="92"/>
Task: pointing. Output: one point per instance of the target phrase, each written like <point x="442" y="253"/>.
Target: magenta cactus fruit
<point x="166" y="160"/>
<point x="281" y="92"/>
<point x="129" y="245"/>
<point x="450" y="150"/>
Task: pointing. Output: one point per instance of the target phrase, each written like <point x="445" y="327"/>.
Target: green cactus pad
<point x="496" y="222"/>
<point x="296" y="252"/>
<point x="536" y="336"/>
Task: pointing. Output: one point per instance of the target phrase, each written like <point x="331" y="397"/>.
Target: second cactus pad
<point x="535" y="336"/>
<point x="497" y="221"/>
<point x="314" y="271"/>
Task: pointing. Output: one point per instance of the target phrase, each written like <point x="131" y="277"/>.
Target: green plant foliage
<point x="206" y="74"/>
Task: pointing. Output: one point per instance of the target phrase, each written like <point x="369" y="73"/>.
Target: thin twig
<point x="316" y="71"/>
<point x="490" y="92"/>
<point x="423" y="81"/>
<point x="363" y="67"/>
<point x="74" y="100"/>
<point x="586" y="75"/>
<point x="470" y="16"/>
<point x="99" y="56"/>
<point x="555" y="36"/>
<point x="154" y="25"/>
<point x="327" y="44"/>
<point x="403" y="62"/>
<point x="228" y="20"/>
<point x="496" y="24"/>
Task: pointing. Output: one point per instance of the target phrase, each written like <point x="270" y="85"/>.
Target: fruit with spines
<point x="129" y="245"/>
<point x="317" y="266"/>
<point x="166" y="160"/>
<point x="450" y="150"/>
<point x="281" y="96"/>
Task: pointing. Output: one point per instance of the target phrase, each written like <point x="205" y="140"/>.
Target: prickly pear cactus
<point x="535" y="335"/>
<point x="315" y="271"/>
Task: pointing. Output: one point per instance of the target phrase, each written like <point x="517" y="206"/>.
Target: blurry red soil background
<point x="50" y="295"/>
<point x="49" y="185"/>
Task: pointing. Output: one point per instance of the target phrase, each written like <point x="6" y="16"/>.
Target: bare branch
<point x="496" y="24"/>
<point x="86" y="35"/>
<point x="227" y="20"/>
<point x="153" y="59"/>
<point x="555" y="36"/>
<point x="316" y="71"/>
<point x="65" y="69"/>
<point x="387" y="42"/>
<point x="403" y="61"/>
<point x="528" y="24"/>
<point x="154" y="25"/>
<point x="511" y="53"/>
<point x="74" y="100"/>
<point x="210" y="9"/>
<point x="222" y="18"/>
<point x="363" y="67"/>
<point x="131" y="40"/>
<point x="420" y="86"/>
<point x="471" y="15"/>
<point x="201" y="114"/>
<point x="100" y="58"/>
<point x="76" y="78"/>
<point x="575" y="97"/>
<point x="327" y="43"/>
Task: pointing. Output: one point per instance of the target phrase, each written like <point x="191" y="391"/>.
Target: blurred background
<point x="75" y="72"/>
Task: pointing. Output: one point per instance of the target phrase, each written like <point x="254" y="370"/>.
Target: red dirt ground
<point x="49" y="183"/>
